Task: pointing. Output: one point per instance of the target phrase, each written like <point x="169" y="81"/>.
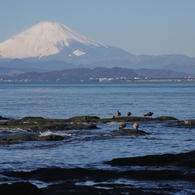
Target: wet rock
<point x="155" y="168"/>
<point x="3" y="118"/>
<point x="72" y="181"/>
<point x="50" y="138"/>
<point x="78" y="122"/>
<point x="182" y="160"/>
<point x="135" y="119"/>
<point x="84" y="119"/>
<point x="130" y="132"/>
<point x="165" y="118"/>
<point x="21" y="188"/>
<point x="17" y="137"/>
<point x="13" y="139"/>
<point x="39" y="123"/>
<point x="71" y="126"/>
<point x="190" y="124"/>
<point x="30" y="119"/>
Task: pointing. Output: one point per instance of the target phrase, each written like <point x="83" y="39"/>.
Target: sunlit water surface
<point x="90" y="148"/>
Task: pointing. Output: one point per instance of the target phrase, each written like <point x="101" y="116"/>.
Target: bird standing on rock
<point x="122" y="126"/>
<point x="85" y="118"/>
<point x="112" y="116"/>
<point x="128" y="113"/>
<point x="186" y="122"/>
<point x="118" y="113"/>
<point x="136" y="126"/>
<point x="149" y="114"/>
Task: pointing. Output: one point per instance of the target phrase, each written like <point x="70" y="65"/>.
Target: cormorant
<point x="149" y="114"/>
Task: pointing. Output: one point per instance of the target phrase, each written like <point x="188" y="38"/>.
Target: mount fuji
<point x="54" y="46"/>
<point x="55" y="41"/>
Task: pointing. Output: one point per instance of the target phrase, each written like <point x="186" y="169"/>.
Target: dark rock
<point x="74" y="123"/>
<point x="3" y="118"/>
<point x="20" y="188"/>
<point x="165" y="118"/>
<point x="130" y="132"/>
<point x="155" y="168"/>
<point x="12" y="139"/>
<point x="183" y="160"/>
<point x="71" y="126"/>
<point x="104" y="180"/>
<point x="39" y="123"/>
<point x="51" y="137"/>
<point x="85" y="119"/>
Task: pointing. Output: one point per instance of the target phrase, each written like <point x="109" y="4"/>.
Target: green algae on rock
<point x="13" y="139"/>
<point x="40" y="123"/>
<point x="74" y="123"/>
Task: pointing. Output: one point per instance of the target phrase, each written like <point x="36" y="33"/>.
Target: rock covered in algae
<point x="40" y="123"/>
<point x="12" y="139"/>
<point x="130" y="132"/>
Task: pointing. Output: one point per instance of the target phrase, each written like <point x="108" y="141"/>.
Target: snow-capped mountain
<point x="54" y="46"/>
<point x="53" y="40"/>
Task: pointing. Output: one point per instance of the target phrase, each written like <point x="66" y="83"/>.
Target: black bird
<point x="149" y="114"/>
<point x="118" y="113"/>
<point x="128" y="113"/>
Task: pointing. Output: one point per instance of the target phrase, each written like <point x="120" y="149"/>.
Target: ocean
<point x="90" y="148"/>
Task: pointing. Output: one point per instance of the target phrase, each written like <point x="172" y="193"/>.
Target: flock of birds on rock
<point x="118" y="113"/>
<point x="135" y="125"/>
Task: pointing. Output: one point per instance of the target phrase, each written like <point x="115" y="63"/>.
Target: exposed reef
<point x="40" y="123"/>
<point x="35" y="125"/>
<point x="153" y="168"/>
<point x="78" y="122"/>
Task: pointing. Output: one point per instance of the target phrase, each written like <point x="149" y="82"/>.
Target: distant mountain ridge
<point x="86" y="74"/>
<point x="54" y="46"/>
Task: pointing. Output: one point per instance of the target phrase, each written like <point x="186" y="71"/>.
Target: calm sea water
<point x="91" y="148"/>
<point x="64" y="100"/>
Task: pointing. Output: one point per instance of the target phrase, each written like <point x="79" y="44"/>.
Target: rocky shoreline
<point x="162" y="169"/>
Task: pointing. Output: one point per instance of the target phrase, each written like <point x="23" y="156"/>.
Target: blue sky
<point x="153" y="27"/>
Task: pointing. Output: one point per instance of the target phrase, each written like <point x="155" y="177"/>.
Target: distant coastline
<point x="103" y="80"/>
<point x="148" y="80"/>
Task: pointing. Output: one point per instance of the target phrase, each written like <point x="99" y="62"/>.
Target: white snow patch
<point x="78" y="53"/>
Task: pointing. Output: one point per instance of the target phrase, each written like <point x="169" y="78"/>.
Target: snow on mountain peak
<point x="44" y="39"/>
<point x="78" y="53"/>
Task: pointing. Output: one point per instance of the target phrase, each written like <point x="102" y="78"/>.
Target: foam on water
<point x="46" y="133"/>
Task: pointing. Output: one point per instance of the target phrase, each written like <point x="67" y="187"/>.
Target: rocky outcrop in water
<point x="11" y="139"/>
<point x="3" y="118"/>
<point x="40" y="123"/>
<point x="35" y="125"/>
<point x="21" y="188"/>
<point x="155" y="168"/>
<point x="130" y="132"/>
